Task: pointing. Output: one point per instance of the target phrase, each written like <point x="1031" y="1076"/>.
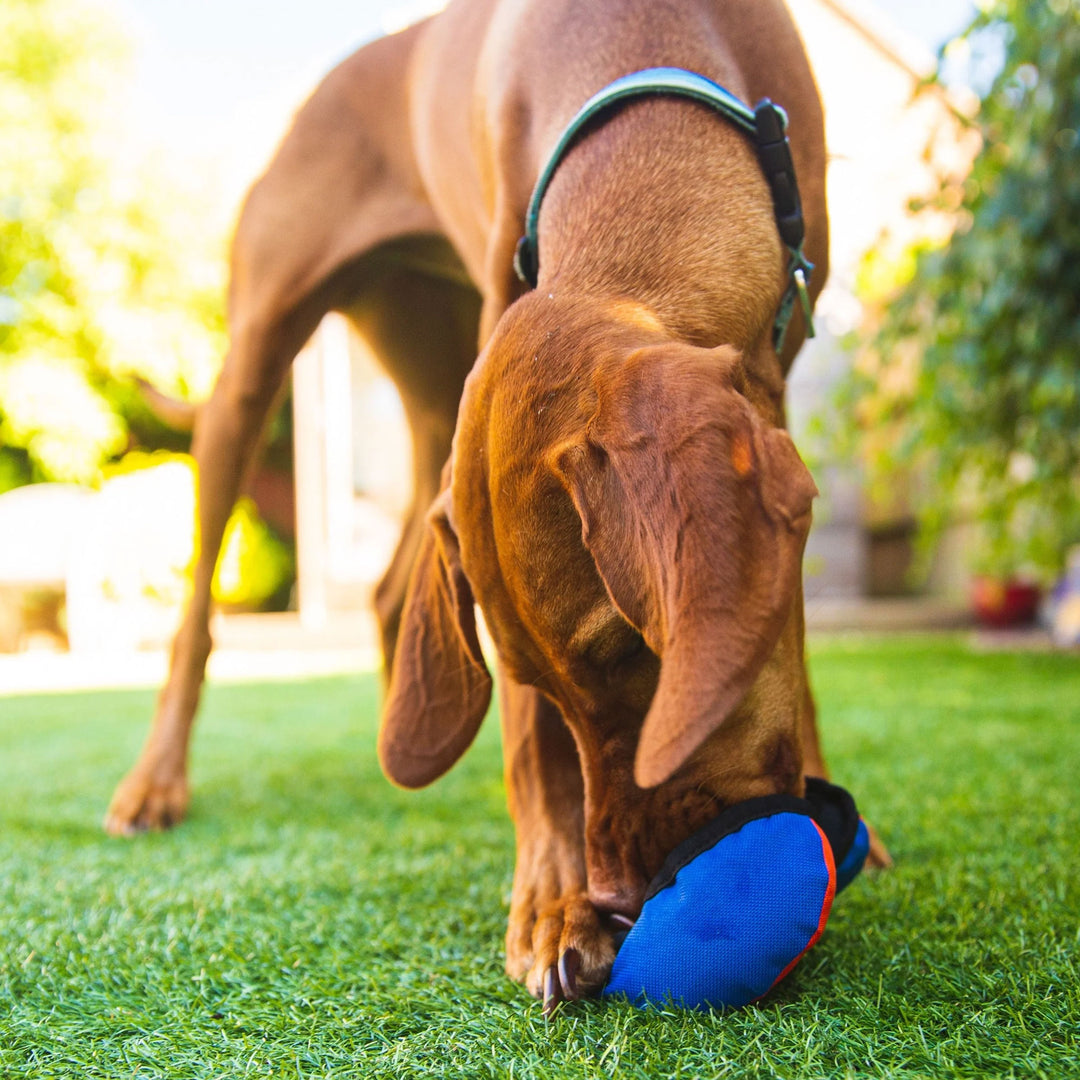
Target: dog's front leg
<point x="556" y="942"/>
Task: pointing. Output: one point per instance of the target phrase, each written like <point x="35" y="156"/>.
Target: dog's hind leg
<point x="419" y="313"/>
<point x="814" y="759"/>
<point x="341" y="184"/>
<point x="154" y="793"/>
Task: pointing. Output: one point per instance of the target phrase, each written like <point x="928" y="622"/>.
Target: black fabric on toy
<point x="834" y="810"/>
<point x="736" y="905"/>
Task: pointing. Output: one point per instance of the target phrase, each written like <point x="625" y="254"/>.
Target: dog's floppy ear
<point x="439" y="687"/>
<point x="695" y="511"/>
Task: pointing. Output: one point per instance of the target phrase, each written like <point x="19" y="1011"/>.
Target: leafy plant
<point x="155" y="497"/>
<point x="970" y="375"/>
<point x="107" y="270"/>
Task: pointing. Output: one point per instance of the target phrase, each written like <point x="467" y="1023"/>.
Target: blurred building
<point x="353" y="469"/>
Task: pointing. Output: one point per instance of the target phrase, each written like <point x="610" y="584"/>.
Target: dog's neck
<point x="558" y="337"/>
<point x="665" y="205"/>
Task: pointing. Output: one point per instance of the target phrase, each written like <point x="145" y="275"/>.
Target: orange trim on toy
<point x="826" y="907"/>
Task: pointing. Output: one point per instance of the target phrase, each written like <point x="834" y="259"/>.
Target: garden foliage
<point x="973" y="366"/>
<point x="107" y="270"/>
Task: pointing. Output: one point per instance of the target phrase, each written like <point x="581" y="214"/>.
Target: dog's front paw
<point x="878" y="857"/>
<point x="562" y="952"/>
<point x="146" y="800"/>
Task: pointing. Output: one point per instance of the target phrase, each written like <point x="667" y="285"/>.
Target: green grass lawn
<point x="310" y="920"/>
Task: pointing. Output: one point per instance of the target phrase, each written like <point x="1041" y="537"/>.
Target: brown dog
<point x="622" y="500"/>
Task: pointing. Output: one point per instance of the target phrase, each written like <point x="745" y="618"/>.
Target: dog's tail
<point x="174" y="413"/>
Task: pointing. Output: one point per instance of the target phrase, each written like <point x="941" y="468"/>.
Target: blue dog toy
<point x="736" y="906"/>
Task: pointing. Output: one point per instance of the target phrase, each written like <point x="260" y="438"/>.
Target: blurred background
<point x="939" y="404"/>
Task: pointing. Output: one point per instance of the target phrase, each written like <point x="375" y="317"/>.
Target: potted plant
<point x="969" y="372"/>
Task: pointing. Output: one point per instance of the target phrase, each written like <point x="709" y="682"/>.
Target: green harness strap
<point x="766" y="125"/>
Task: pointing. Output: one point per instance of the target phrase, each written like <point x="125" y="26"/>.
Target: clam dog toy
<point x="737" y="905"/>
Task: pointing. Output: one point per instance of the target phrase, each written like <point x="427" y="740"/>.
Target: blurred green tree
<point x="108" y="272"/>
<point x="972" y="365"/>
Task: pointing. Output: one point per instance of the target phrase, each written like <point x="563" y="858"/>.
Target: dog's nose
<point x="621" y="905"/>
<point x="618" y="910"/>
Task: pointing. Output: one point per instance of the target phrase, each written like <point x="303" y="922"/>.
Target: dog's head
<point x="632" y="529"/>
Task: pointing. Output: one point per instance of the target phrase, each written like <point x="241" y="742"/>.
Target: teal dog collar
<point x="766" y="125"/>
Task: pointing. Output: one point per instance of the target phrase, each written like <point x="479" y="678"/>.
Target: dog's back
<point x="494" y="84"/>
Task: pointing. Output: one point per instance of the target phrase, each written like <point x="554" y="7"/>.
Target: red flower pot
<point x="1004" y="603"/>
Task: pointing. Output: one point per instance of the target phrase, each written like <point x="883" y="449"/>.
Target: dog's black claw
<point x="552" y="991"/>
<point x="569" y="965"/>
